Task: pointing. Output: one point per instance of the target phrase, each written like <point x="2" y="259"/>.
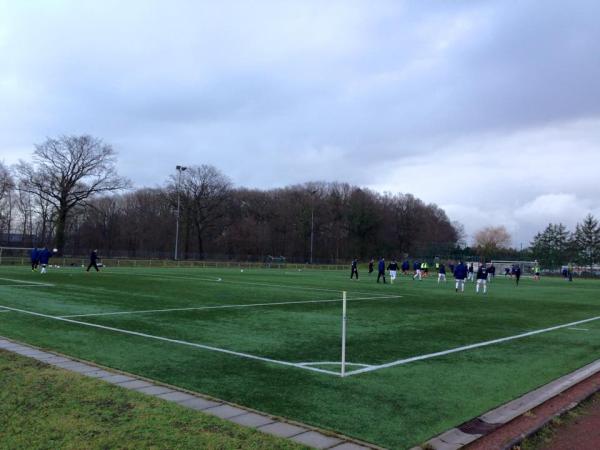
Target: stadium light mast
<point x="312" y="223"/>
<point x="179" y="170"/>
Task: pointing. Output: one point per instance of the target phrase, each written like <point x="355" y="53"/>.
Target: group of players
<point x="461" y="272"/>
<point x="41" y="258"/>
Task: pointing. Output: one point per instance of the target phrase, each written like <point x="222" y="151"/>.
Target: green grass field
<point x="271" y="339"/>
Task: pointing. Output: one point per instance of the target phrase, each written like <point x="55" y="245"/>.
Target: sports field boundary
<point x="469" y="433"/>
<point x="295" y="431"/>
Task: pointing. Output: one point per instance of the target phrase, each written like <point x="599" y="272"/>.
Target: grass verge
<point x="42" y="407"/>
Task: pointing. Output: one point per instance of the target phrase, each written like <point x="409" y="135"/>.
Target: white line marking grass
<point x="23" y="283"/>
<point x="200" y="308"/>
<point x="174" y="341"/>
<point x="468" y="347"/>
<point x="578" y="329"/>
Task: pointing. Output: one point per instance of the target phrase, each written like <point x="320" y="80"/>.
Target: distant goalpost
<point x="13" y="253"/>
<point x="525" y="266"/>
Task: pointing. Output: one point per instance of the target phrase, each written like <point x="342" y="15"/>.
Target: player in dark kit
<point x="381" y="270"/>
<point x="371" y="263"/>
<point x="93" y="261"/>
<point x="517" y="273"/>
<point x="354" y="268"/>
<point x="35" y="258"/>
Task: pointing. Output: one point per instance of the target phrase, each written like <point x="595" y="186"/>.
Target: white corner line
<point x="468" y="347"/>
<point x="23" y="283"/>
<point x="174" y="341"/>
<point x="200" y="308"/>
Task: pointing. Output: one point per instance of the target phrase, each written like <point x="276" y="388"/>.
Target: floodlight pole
<point x="312" y="223"/>
<point x="343" y="369"/>
<point x="179" y="170"/>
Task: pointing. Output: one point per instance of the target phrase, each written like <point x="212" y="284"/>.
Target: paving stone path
<point x="302" y="434"/>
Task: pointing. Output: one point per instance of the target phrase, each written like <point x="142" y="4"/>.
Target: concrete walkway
<point x="296" y="432"/>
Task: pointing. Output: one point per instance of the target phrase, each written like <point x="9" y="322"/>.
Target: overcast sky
<point x="491" y="109"/>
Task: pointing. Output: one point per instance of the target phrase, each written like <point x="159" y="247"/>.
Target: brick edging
<point x="496" y="418"/>
<point x="266" y="423"/>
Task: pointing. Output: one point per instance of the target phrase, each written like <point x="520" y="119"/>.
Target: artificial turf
<point x="395" y="407"/>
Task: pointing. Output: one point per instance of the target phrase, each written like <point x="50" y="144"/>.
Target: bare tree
<point x="205" y="193"/>
<point x="490" y="239"/>
<point x="67" y="172"/>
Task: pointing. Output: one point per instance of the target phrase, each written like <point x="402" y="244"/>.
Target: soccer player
<point x="354" y="268"/>
<point x="393" y="268"/>
<point x="536" y="272"/>
<point x="517" y="273"/>
<point x="381" y="270"/>
<point x="94" y="262"/>
<point x="441" y="273"/>
<point x="34" y="254"/>
<point x="405" y="267"/>
<point x="417" y="269"/>
<point x="481" y="278"/>
<point x="471" y="274"/>
<point x="371" y="263"/>
<point x="44" y="258"/>
<point x="491" y="272"/>
<point x="425" y="268"/>
<point x="506" y="271"/>
<point x="460" y="275"/>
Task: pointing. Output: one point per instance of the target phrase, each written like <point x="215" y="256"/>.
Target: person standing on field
<point x="481" y="278"/>
<point x="441" y="273"/>
<point x="381" y="270"/>
<point x="44" y="258"/>
<point x="460" y="275"/>
<point x="34" y="254"/>
<point x="417" y="269"/>
<point x="471" y="274"/>
<point x="354" y="269"/>
<point x="371" y="264"/>
<point x="517" y="273"/>
<point x="405" y="267"/>
<point x="93" y="261"/>
<point x="393" y="268"/>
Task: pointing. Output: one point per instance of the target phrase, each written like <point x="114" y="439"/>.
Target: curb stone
<point x="472" y="430"/>
<point x="265" y="423"/>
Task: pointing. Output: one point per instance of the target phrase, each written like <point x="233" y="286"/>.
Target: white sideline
<point x="199" y="308"/>
<point x="174" y="341"/>
<point x="467" y="347"/>
<point x="23" y="283"/>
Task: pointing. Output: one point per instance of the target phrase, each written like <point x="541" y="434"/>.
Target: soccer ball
<point x="241" y="270"/>
<point x="54" y="250"/>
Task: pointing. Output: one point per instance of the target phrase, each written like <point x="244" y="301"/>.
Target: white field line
<point x="200" y="308"/>
<point x="467" y="347"/>
<point x="331" y="363"/>
<point x="21" y="283"/>
<point x="249" y="283"/>
<point x="174" y="341"/>
<point x="578" y="329"/>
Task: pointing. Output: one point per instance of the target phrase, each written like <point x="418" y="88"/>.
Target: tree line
<point x="556" y="245"/>
<point x="71" y="196"/>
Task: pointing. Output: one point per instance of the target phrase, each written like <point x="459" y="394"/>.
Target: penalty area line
<point x="468" y="347"/>
<point x="174" y="341"/>
<point x="200" y="308"/>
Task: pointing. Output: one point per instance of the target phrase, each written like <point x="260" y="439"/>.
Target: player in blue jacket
<point x="44" y="258"/>
<point x="460" y="275"/>
<point x="34" y="254"/>
<point x="381" y="270"/>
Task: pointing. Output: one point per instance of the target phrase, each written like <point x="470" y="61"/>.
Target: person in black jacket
<point x="93" y="261"/>
<point x="481" y="278"/>
<point x="354" y="268"/>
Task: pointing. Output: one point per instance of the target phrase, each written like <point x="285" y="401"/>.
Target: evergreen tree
<point x="587" y="240"/>
<point x="552" y="246"/>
